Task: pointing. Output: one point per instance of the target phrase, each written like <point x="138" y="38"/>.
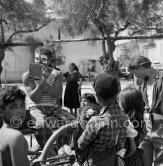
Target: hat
<point x="106" y="86"/>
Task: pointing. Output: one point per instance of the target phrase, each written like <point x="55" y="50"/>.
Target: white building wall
<point x="17" y="61"/>
<point x="77" y="52"/>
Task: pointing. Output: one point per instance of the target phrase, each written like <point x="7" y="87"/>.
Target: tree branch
<point x="146" y="25"/>
<point x="101" y="9"/>
<point x="2" y="33"/>
<point x="160" y="36"/>
<point x="25" y="31"/>
<point x="127" y="23"/>
<point x="22" y="44"/>
<point x="101" y="31"/>
<point x="100" y="25"/>
<point x="103" y="47"/>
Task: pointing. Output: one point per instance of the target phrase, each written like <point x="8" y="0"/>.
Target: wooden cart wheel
<point x="57" y="150"/>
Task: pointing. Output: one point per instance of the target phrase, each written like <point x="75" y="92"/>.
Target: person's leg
<point x="44" y="132"/>
<point x="146" y="144"/>
<point x="76" y="134"/>
<point x="104" y="158"/>
<point x="71" y="111"/>
<point x="157" y="140"/>
<point x="75" y="112"/>
<point x="147" y="147"/>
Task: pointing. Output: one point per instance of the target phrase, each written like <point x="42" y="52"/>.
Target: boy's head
<point x="13" y="105"/>
<point x="87" y="98"/>
<point x="106" y="87"/>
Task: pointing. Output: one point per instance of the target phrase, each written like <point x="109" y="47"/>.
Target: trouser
<point x="75" y="135"/>
<point x="44" y="119"/>
<point x="153" y="141"/>
<point x="102" y="158"/>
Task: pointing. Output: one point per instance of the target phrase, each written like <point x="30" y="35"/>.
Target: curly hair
<point x="12" y="93"/>
<point x="89" y="97"/>
<point x="43" y="50"/>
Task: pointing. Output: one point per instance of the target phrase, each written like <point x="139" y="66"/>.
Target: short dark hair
<point x="106" y="86"/>
<point x="139" y="61"/>
<point x="89" y="97"/>
<point x="44" y="50"/>
<point x="12" y="93"/>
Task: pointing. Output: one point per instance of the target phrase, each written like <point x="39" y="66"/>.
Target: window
<point x="91" y="65"/>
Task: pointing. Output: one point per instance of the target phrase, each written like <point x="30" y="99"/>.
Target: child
<point x="89" y="108"/>
<point x="13" y="145"/>
<point x="100" y="133"/>
<point x="132" y="103"/>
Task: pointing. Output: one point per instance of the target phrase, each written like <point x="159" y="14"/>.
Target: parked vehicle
<point x="88" y="77"/>
<point x="125" y="75"/>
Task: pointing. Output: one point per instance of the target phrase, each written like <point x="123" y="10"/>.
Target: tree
<point x="108" y="19"/>
<point x="16" y="18"/>
<point x="129" y="51"/>
<point x="56" y="48"/>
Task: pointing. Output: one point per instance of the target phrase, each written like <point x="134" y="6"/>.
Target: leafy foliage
<point x="129" y="51"/>
<point x="19" y="15"/>
<point x="32" y="48"/>
<point x="56" y="49"/>
<point x="75" y="14"/>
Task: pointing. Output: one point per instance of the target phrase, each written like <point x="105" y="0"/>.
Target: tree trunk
<point x="2" y="55"/>
<point x="107" y="61"/>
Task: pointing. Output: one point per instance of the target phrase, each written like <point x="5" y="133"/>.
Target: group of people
<point x="141" y="139"/>
<point x="110" y="121"/>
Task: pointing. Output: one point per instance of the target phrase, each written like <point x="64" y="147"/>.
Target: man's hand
<point x="43" y="82"/>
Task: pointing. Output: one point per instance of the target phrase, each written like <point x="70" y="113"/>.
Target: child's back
<point x="100" y="133"/>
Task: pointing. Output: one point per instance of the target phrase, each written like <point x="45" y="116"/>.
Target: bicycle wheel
<point x="59" y="143"/>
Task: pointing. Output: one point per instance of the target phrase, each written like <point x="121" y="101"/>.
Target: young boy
<point x="13" y="145"/>
<point x="100" y="133"/>
<point x="89" y="108"/>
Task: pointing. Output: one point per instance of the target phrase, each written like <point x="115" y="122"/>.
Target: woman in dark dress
<point x="73" y="89"/>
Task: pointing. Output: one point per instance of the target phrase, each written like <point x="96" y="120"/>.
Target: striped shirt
<point x="45" y="99"/>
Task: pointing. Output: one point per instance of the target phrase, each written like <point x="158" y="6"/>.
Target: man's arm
<point x="34" y="91"/>
<point x="56" y="90"/>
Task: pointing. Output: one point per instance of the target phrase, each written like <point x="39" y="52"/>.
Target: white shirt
<point x="150" y="94"/>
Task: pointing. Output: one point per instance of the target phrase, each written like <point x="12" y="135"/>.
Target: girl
<point x="132" y="103"/>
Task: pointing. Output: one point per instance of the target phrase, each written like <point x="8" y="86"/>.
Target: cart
<point x="60" y="141"/>
<point x="63" y="155"/>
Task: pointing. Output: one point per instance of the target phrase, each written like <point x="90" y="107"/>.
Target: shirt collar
<point x="102" y="110"/>
<point x="156" y="75"/>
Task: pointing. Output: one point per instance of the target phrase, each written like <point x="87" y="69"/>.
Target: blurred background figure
<point x="54" y="66"/>
<point x="73" y="88"/>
